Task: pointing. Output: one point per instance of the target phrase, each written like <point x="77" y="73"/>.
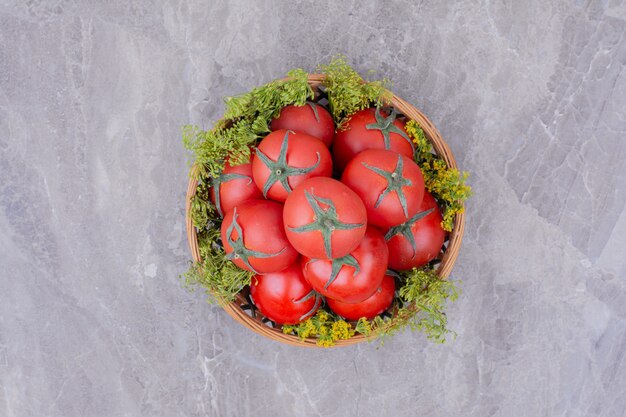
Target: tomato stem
<point x="325" y="221"/>
<point x="405" y="229"/>
<point x="339" y="263"/>
<point x="395" y="182"/>
<point x="386" y="126"/>
<point x="239" y="249"/>
<point x="280" y="171"/>
<point x="314" y="108"/>
<point x="318" y="301"/>
<point x="216" y="183"/>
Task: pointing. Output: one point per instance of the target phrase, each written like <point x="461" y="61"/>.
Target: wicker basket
<point x="242" y="308"/>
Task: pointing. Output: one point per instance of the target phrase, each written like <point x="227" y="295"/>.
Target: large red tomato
<point x="254" y="238"/>
<point x="354" y="277"/>
<point x="311" y="119"/>
<point x="235" y="186"/>
<point x="370" y="129"/>
<point x="390" y="184"/>
<point x="369" y="308"/>
<point x="284" y="297"/>
<point x="324" y="219"/>
<point x="419" y="240"/>
<point x="284" y="159"/>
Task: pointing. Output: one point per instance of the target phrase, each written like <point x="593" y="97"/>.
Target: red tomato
<point x="254" y="238"/>
<point x="370" y="129"/>
<point x="419" y="240"/>
<point x="391" y="185"/>
<point x="284" y="297"/>
<point x="354" y="277"/>
<point x="311" y="119"/>
<point x="369" y="308"/>
<point x="235" y="186"/>
<point x="324" y="219"/>
<point x="284" y="159"/>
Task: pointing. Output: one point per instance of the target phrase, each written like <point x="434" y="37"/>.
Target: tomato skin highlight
<point x="428" y="236"/>
<point x="385" y="180"/>
<point x="356" y="138"/>
<point x="351" y="284"/>
<point x="303" y="119"/>
<point x="300" y="152"/>
<point x="281" y="296"/>
<point x="347" y="229"/>
<point x="236" y="190"/>
<point x="261" y="222"/>
<point x="369" y="308"/>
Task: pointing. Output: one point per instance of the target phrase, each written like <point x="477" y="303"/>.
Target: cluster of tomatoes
<point x="308" y="236"/>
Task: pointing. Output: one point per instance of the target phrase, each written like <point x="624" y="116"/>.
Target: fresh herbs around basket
<point x="419" y="305"/>
<point x="420" y="298"/>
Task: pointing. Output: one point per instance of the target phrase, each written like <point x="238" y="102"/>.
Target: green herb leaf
<point x="422" y="298"/>
<point x="348" y="92"/>
<point x="246" y="119"/>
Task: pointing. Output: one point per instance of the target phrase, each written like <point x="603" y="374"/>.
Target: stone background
<point x="530" y="95"/>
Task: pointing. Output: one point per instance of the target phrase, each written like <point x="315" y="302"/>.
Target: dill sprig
<point x="348" y="92"/>
<point x="325" y="326"/>
<point x="447" y="185"/>
<point x="429" y="293"/>
<point x="221" y="279"/>
<point x="422" y="299"/>
<point x="245" y="120"/>
<point x="202" y="210"/>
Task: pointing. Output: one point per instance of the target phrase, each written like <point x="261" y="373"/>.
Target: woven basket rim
<point x="445" y="267"/>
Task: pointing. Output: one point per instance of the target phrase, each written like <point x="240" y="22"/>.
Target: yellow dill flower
<point x="341" y="330"/>
<point x="325" y="342"/>
<point x="447" y="185"/>
<point x="307" y="329"/>
<point x="417" y="135"/>
<point x="322" y="316"/>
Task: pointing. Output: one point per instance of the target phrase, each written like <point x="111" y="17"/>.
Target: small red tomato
<point x="419" y="240"/>
<point x="235" y="186"/>
<point x="391" y="185"/>
<point x="369" y="308"/>
<point x="370" y="129"/>
<point x="254" y="237"/>
<point x="324" y="219"/>
<point x="284" y="159"/>
<point x="284" y="297"/>
<point x="311" y="119"/>
<point x="354" y="277"/>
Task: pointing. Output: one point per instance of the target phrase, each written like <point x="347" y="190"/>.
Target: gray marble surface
<point x="530" y="95"/>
